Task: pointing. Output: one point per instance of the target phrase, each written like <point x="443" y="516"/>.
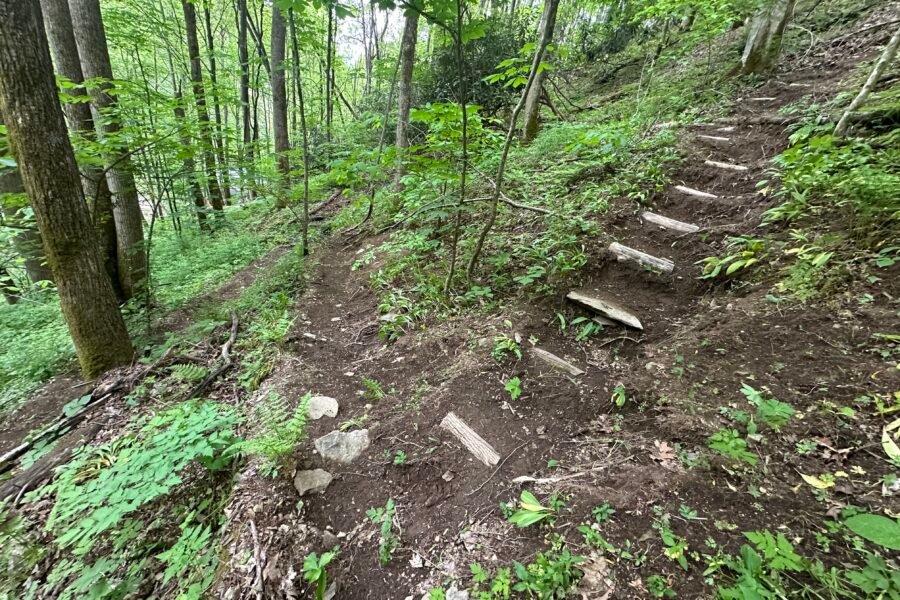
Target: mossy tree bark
<point x="93" y="52"/>
<point x="64" y="49"/>
<point x="764" y="36"/>
<point x="279" y="103"/>
<point x="404" y="103"/>
<point x="37" y="132"/>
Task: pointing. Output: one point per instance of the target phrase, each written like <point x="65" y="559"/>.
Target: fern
<point x="188" y="372"/>
<point x="281" y="429"/>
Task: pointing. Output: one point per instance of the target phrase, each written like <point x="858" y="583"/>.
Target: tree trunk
<point x="27" y="242"/>
<point x="244" y="58"/>
<point x="298" y="81"/>
<point x="190" y="25"/>
<point x="279" y="104"/>
<point x="407" y="63"/>
<point x="64" y="49"/>
<point x="90" y="37"/>
<point x="217" y="110"/>
<point x="329" y="74"/>
<point x="37" y="132"/>
<point x="533" y="100"/>
<point x="887" y="56"/>
<point x="188" y="165"/>
<point x="764" y="36"/>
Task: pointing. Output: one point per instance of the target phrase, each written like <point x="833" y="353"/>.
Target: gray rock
<point x="343" y="447"/>
<point x="455" y="594"/>
<point x="322" y="406"/>
<point x="312" y="482"/>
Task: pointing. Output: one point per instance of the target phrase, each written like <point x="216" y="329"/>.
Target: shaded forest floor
<point x="654" y="461"/>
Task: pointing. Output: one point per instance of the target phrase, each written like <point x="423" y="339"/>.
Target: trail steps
<point x="715" y="138"/>
<point x="692" y="192"/>
<point x="726" y="166"/>
<point x="667" y="223"/>
<point x="606" y="308"/>
<point x="647" y="260"/>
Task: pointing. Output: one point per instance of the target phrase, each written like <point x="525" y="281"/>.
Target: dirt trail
<point x="562" y="426"/>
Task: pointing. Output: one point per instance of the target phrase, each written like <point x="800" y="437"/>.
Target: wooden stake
<point x="715" y="138"/>
<point x="556" y="362"/>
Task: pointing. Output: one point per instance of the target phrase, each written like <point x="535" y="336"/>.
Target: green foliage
<point x="486" y="587"/>
<point x="315" y="571"/>
<point x="550" y="576"/>
<point x="531" y="511"/>
<point x="388" y="541"/>
<point x="280" y="430"/>
<point x="603" y="513"/>
<point x="504" y="347"/>
<point x="771" y="411"/>
<point x="619" y="396"/>
<point x="18" y="553"/>
<point x="514" y="388"/>
<point x="140" y="468"/>
<point x="730" y="443"/>
<point x="745" y="252"/>
<point x="675" y="546"/>
<point x="659" y="587"/>
<point x="374" y="391"/>
<point x="877" y="529"/>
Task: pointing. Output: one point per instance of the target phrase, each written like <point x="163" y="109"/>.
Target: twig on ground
<point x="226" y="360"/>
<point x="500" y="466"/>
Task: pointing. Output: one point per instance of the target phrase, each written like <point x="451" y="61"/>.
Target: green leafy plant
<point x="729" y="442"/>
<point x="486" y="587"/>
<point x="514" y="388"/>
<point x="550" y="576"/>
<point x="745" y="252"/>
<point x="770" y="411"/>
<point x="374" y="391"/>
<point x="389" y="541"/>
<point x="659" y="587"/>
<point x="504" y="346"/>
<point x="675" y="546"/>
<point x="603" y="513"/>
<point x="400" y="458"/>
<point x="281" y="429"/>
<point x="619" y="396"/>
<point x="315" y="571"/>
<point x="877" y="529"/>
<point x="530" y="511"/>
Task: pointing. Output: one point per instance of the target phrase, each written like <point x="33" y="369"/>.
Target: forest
<point x="450" y="299"/>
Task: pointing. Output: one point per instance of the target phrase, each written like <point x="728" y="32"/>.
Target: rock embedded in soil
<point x="315" y="481"/>
<point x="343" y="447"/>
<point x="322" y="406"/>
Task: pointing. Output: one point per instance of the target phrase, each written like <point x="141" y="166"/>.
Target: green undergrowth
<point x="621" y="150"/>
<point x="835" y="227"/>
<point x="34" y="341"/>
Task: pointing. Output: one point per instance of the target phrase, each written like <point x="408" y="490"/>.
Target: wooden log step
<point x="605" y="308"/>
<point x="715" y="138"/>
<point x="728" y="129"/>
<point x="667" y="223"/>
<point x="763" y="99"/>
<point x="473" y="442"/>
<point x="556" y="362"/>
<point x="726" y="166"/>
<point x="692" y="192"/>
<point x="647" y="260"/>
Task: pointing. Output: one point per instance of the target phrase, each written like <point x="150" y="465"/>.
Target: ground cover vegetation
<point x="447" y="299"/>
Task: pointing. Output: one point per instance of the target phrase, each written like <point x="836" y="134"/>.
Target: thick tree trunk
<point x="37" y="132"/>
<point x="217" y="110"/>
<point x="279" y="104"/>
<point x="764" y="36"/>
<point x="190" y="25"/>
<point x="90" y="37"/>
<point x="533" y="100"/>
<point x="27" y="242"/>
<point x="407" y="63"/>
<point x="64" y="49"/>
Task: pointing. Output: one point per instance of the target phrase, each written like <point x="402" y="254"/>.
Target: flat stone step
<point x="556" y="362"/>
<point x="726" y="166"/>
<point x="647" y="260"/>
<point x="667" y="223"/>
<point x="606" y="308"/>
<point x="715" y="138"/>
<point x="692" y="192"/>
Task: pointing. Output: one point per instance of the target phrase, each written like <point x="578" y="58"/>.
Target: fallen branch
<point x="887" y="56"/>
<point x="227" y="363"/>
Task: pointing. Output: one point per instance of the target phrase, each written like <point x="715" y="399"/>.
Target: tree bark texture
<point x="279" y="103"/>
<point x="533" y="100"/>
<point x="90" y="37"/>
<point x="189" y="166"/>
<point x="217" y="109"/>
<point x="244" y="58"/>
<point x="30" y="107"/>
<point x="64" y="49"/>
<point x="764" y="36"/>
<point x="407" y="64"/>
